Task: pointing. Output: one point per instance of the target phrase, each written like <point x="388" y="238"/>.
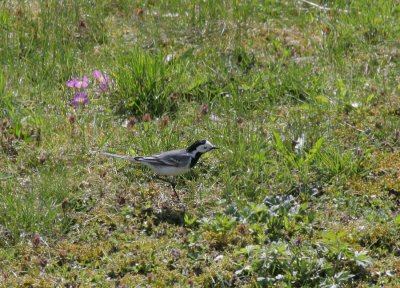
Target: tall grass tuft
<point x="147" y="82"/>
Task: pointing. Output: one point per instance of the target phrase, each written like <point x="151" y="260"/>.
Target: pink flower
<point x="80" y="99"/>
<point x="78" y="83"/>
<point x="102" y="78"/>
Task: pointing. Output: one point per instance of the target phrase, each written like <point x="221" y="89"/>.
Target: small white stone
<point x="218" y="258"/>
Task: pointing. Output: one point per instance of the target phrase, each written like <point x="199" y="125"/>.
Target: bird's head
<point x="201" y="146"/>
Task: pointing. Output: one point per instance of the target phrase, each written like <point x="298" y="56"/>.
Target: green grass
<point x="303" y="102"/>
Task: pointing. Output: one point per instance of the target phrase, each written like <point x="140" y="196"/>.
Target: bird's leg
<point x="173" y="184"/>
<point x="162" y="179"/>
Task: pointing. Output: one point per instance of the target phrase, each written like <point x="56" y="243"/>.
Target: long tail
<point x="115" y="156"/>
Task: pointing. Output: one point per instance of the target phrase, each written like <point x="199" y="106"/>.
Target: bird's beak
<point x="215" y="147"/>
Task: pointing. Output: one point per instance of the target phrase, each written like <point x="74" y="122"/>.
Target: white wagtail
<point x="171" y="163"/>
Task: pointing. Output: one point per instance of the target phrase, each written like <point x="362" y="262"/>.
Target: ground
<point x="301" y="97"/>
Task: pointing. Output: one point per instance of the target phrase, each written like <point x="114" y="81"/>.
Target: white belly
<point x="170" y="171"/>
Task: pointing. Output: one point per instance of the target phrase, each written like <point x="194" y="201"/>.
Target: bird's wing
<point x="115" y="156"/>
<point x="176" y="158"/>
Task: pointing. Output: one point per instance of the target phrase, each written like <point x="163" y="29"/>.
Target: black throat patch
<point x="195" y="159"/>
<point x="192" y="148"/>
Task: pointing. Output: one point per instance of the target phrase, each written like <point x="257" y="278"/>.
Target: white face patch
<point x="205" y="147"/>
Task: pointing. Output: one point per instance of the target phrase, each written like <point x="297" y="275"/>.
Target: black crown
<point x="195" y="145"/>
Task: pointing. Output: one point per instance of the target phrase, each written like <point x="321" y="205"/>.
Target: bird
<point x="170" y="163"/>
